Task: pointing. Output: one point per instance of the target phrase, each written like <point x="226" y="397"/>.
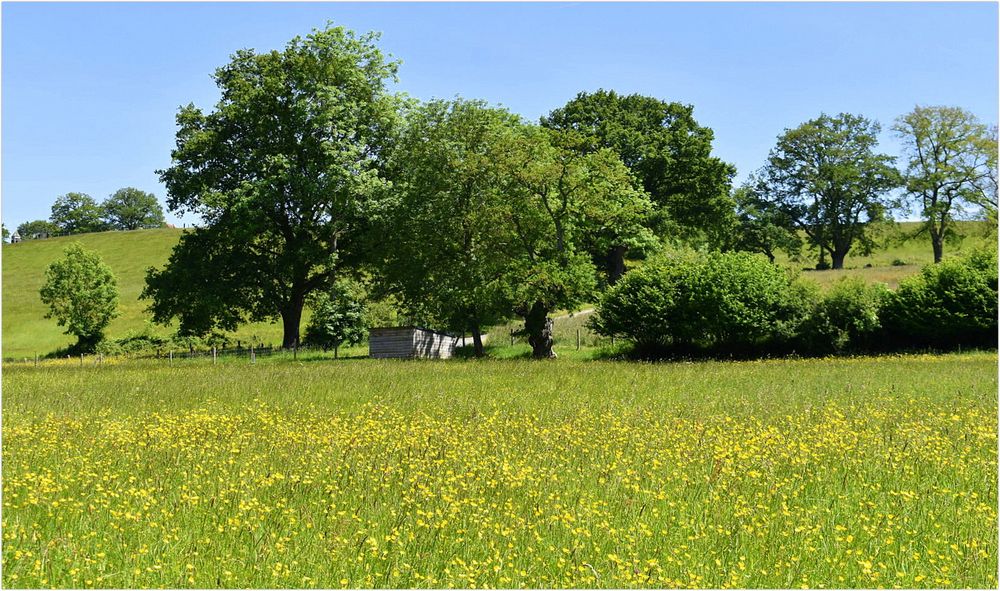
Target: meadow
<point x="849" y="472"/>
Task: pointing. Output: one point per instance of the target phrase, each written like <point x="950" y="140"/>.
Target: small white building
<point x="411" y="342"/>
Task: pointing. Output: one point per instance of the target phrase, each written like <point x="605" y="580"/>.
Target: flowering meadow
<point x="867" y="472"/>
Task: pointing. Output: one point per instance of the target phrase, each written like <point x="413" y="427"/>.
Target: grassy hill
<point x="129" y="254"/>
<point x="26" y="331"/>
<point x="903" y="252"/>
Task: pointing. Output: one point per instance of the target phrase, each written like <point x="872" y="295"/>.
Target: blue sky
<point x="89" y="91"/>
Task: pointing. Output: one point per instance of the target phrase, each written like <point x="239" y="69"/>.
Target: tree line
<point x="310" y="174"/>
<point x="78" y="213"/>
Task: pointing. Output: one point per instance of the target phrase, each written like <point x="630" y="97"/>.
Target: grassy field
<point x="864" y="472"/>
<point x="26" y="331"/>
<point x="902" y="252"/>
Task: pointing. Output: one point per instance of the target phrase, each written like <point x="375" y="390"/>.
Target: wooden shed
<point x="410" y="342"/>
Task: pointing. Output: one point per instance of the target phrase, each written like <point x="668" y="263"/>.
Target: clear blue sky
<point x="90" y="90"/>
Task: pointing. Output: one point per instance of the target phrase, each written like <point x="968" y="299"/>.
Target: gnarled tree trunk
<point x="538" y="326"/>
<point x="291" y="316"/>
<point x="615" y="264"/>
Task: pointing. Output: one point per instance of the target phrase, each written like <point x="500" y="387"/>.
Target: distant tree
<point x="449" y="253"/>
<point x="825" y="178"/>
<point x="948" y="167"/>
<point x="285" y="173"/>
<point x="28" y="229"/>
<point x="77" y="213"/>
<point x="988" y="188"/>
<point x="671" y="154"/>
<point x="554" y="199"/>
<point x="761" y="227"/>
<point x="82" y="295"/>
<point x="337" y="318"/>
<point x="132" y="209"/>
<point x="6" y="233"/>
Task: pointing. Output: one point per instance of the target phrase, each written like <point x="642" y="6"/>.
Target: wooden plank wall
<point x="408" y="343"/>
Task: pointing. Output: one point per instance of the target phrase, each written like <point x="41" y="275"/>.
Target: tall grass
<point x="858" y="472"/>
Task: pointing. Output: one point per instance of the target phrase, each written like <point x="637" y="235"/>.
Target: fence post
<point x="81" y="359"/>
<point x="612" y="340"/>
<point x="512" y="337"/>
<point x="295" y="351"/>
<point x="36" y="359"/>
<point x="578" y="339"/>
<point x="253" y="356"/>
<point x="213" y="356"/>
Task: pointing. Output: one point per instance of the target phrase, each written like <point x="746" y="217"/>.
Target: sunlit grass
<point x="860" y="472"/>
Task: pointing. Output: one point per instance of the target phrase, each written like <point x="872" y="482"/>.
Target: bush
<point x="337" y="318"/>
<point x="724" y="302"/>
<point x="81" y="294"/>
<point x="949" y="304"/>
<point x="846" y="318"/>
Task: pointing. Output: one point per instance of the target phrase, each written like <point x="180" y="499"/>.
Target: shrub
<point x="948" y="304"/>
<point x="82" y="294"/>
<point x="726" y="302"/>
<point x="846" y="318"/>
<point x="337" y="318"/>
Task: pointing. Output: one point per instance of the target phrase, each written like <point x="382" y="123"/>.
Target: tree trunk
<point x="837" y="259"/>
<point x="937" y="243"/>
<point x="477" y="341"/>
<point x="538" y="325"/>
<point x="615" y="263"/>
<point x="291" y="316"/>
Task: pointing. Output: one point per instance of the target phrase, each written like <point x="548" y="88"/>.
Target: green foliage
<point x="6" y="233"/>
<point x="449" y="253"/>
<point x="950" y="166"/>
<point x="719" y="301"/>
<point x="825" y="178"/>
<point x="132" y="209"/>
<point x="143" y="340"/>
<point x="285" y="173"/>
<point x="555" y="199"/>
<point x="82" y="295"/>
<point x="761" y="227"/>
<point x="27" y="230"/>
<point x="948" y="304"/>
<point x="338" y="318"/>
<point x="663" y="145"/>
<point x="77" y="213"/>
<point x="846" y="318"/>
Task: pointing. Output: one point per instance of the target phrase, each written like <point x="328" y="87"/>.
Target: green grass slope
<point x="26" y="331"/>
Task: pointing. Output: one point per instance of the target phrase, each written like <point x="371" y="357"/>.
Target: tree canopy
<point x="825" y="178"/>
<point x="82" y="295"/>
<point x="132" y="209"/>
<point x="555" y="199"/>
<point x="949" y="167"/>
<point x="449" y="252"/>
<point x="29" y="229"/>
<point x="77" y="213"/>
<point x="285" y="173"/>
<point x="666" y="148"/>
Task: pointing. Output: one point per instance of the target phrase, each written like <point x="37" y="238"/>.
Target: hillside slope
<point x="26" y="331"/>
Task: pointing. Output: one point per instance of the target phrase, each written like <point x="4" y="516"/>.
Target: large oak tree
<point x="670" y="153"/>
<point x="284" y="173"/>
<point x="557" y="199"/>
<point x="449" y="253"/>
<point x="948" y="167"/>
<point x="826" y="179"/>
